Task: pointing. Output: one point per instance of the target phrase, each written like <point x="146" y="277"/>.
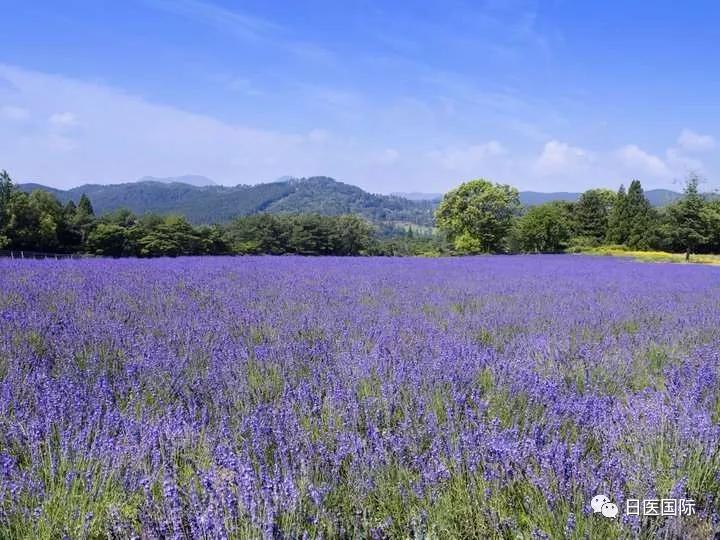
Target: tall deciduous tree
<point x="545" y="228"/>
<point x="477" y="216"/>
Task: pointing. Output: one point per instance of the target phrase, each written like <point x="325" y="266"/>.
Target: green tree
<point x="172" y="236"/>
<point x="619" y="218"/>
<point x="689" y="220"/>
<point x="32" y="221"/>
<point x="261" y="233"/>
<point x="544" y="228"/>
<point x="633" y="221"/>
<point x="477" y="216"/>
<point x="109" y="240"/>
<point x="84" y="218"/>
<point x="6" y="190"/>
<point x="353" y="235"/>
<point x="712" y="217"/>
<point x="69" y="235"/>
<point x="85" y="207"/>
<point x="591" y="214"/>
<point x="642" y="218"/>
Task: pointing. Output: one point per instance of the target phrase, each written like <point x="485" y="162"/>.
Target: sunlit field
<point x="654" y="256"/>
<point x="286" y="397"/>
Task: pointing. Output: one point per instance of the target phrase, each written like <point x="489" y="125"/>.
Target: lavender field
<point x="486" y="397"/>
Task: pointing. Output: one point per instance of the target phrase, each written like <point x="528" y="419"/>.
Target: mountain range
<point x="202" y="201"/>
<point x="657" y="197"/>
<point x="190" y="179"/>
<point x="220" y="204"/>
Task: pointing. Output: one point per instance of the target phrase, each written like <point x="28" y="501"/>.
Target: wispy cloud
<point x="238" y="23"/>
<point x="247" y="27"/>
<point x="642" y="163"/>
<point x="63" y="120"/>
<point x="468" y="158"/>
<point x="560" y="158"/>
<point x="695" y="142"/>
<point x="64" y="131"/>
<point x="124" y="137"/>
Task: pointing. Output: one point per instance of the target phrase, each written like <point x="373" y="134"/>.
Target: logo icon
<point x="601" y="504"/>
<point x="609" y="510"/>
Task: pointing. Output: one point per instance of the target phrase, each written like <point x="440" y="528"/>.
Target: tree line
<point x="39" y="222"/>
<point x="477" y="217"/>
<point x="482" y="217"/>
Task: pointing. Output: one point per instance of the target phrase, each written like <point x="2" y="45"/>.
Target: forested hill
<point x="322" y="195"/>
<point x="220" y="204"/>
<point x="656" y="197"/>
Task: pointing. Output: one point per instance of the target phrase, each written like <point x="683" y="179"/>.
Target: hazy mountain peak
<point x="190" y="179"/>
<point x="417" y="196"/>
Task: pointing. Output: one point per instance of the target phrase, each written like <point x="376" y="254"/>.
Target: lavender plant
<point x="486" y="397"/>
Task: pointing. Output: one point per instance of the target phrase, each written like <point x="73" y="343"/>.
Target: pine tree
<point x="85" y="207"/>
<point x="687" y="219"/>
<point x="618" y="220"/>
<point x="84" y="219"/>
<point x="6" y="190"/>
<point x="591" y="214"/>
<point x="640" y="217"/>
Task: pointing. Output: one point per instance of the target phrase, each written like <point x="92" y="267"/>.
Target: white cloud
<point x="678" y="161"/>
<point x="388" y="156"/>
<point x="638" y="162"/>
<point x="73" y="132"/>
<point x="559" y="158"/>
<point x="125" y="137"/>
<point x="467" y="158"/>
<point x="695" y="142"/>
<point x="64" y="119"/>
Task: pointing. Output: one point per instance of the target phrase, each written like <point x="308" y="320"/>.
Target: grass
<point x="651" y="256"/>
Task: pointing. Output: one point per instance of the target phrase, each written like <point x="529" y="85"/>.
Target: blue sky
<point x="391" y="96"/>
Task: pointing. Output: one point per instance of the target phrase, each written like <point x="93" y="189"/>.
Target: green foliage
<point x="633" y="222"/>
<point x="691" y="223"/>
<point x="109" y="240"/>
<point x="31" y="222"/>
<point x="220" y="204"/>
<point x="6" y="190"/>
<point x="425" y="246"/>
<point x="477" y="216"/>
<point x="304" y="234"/>
<point x="591" y="213"/>
<point x="122" y="234"/>
<point x="335" y="219"/>
<point x="544" y="228"/>
<point x="85" y="207"/>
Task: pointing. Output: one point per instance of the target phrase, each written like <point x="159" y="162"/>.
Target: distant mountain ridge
<point x="203" y="204"/>
<point x="418" y="196"/>
<point x="190" y="179"/>
<point x="657" y="197"/>
<point x="220" y="204"/>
